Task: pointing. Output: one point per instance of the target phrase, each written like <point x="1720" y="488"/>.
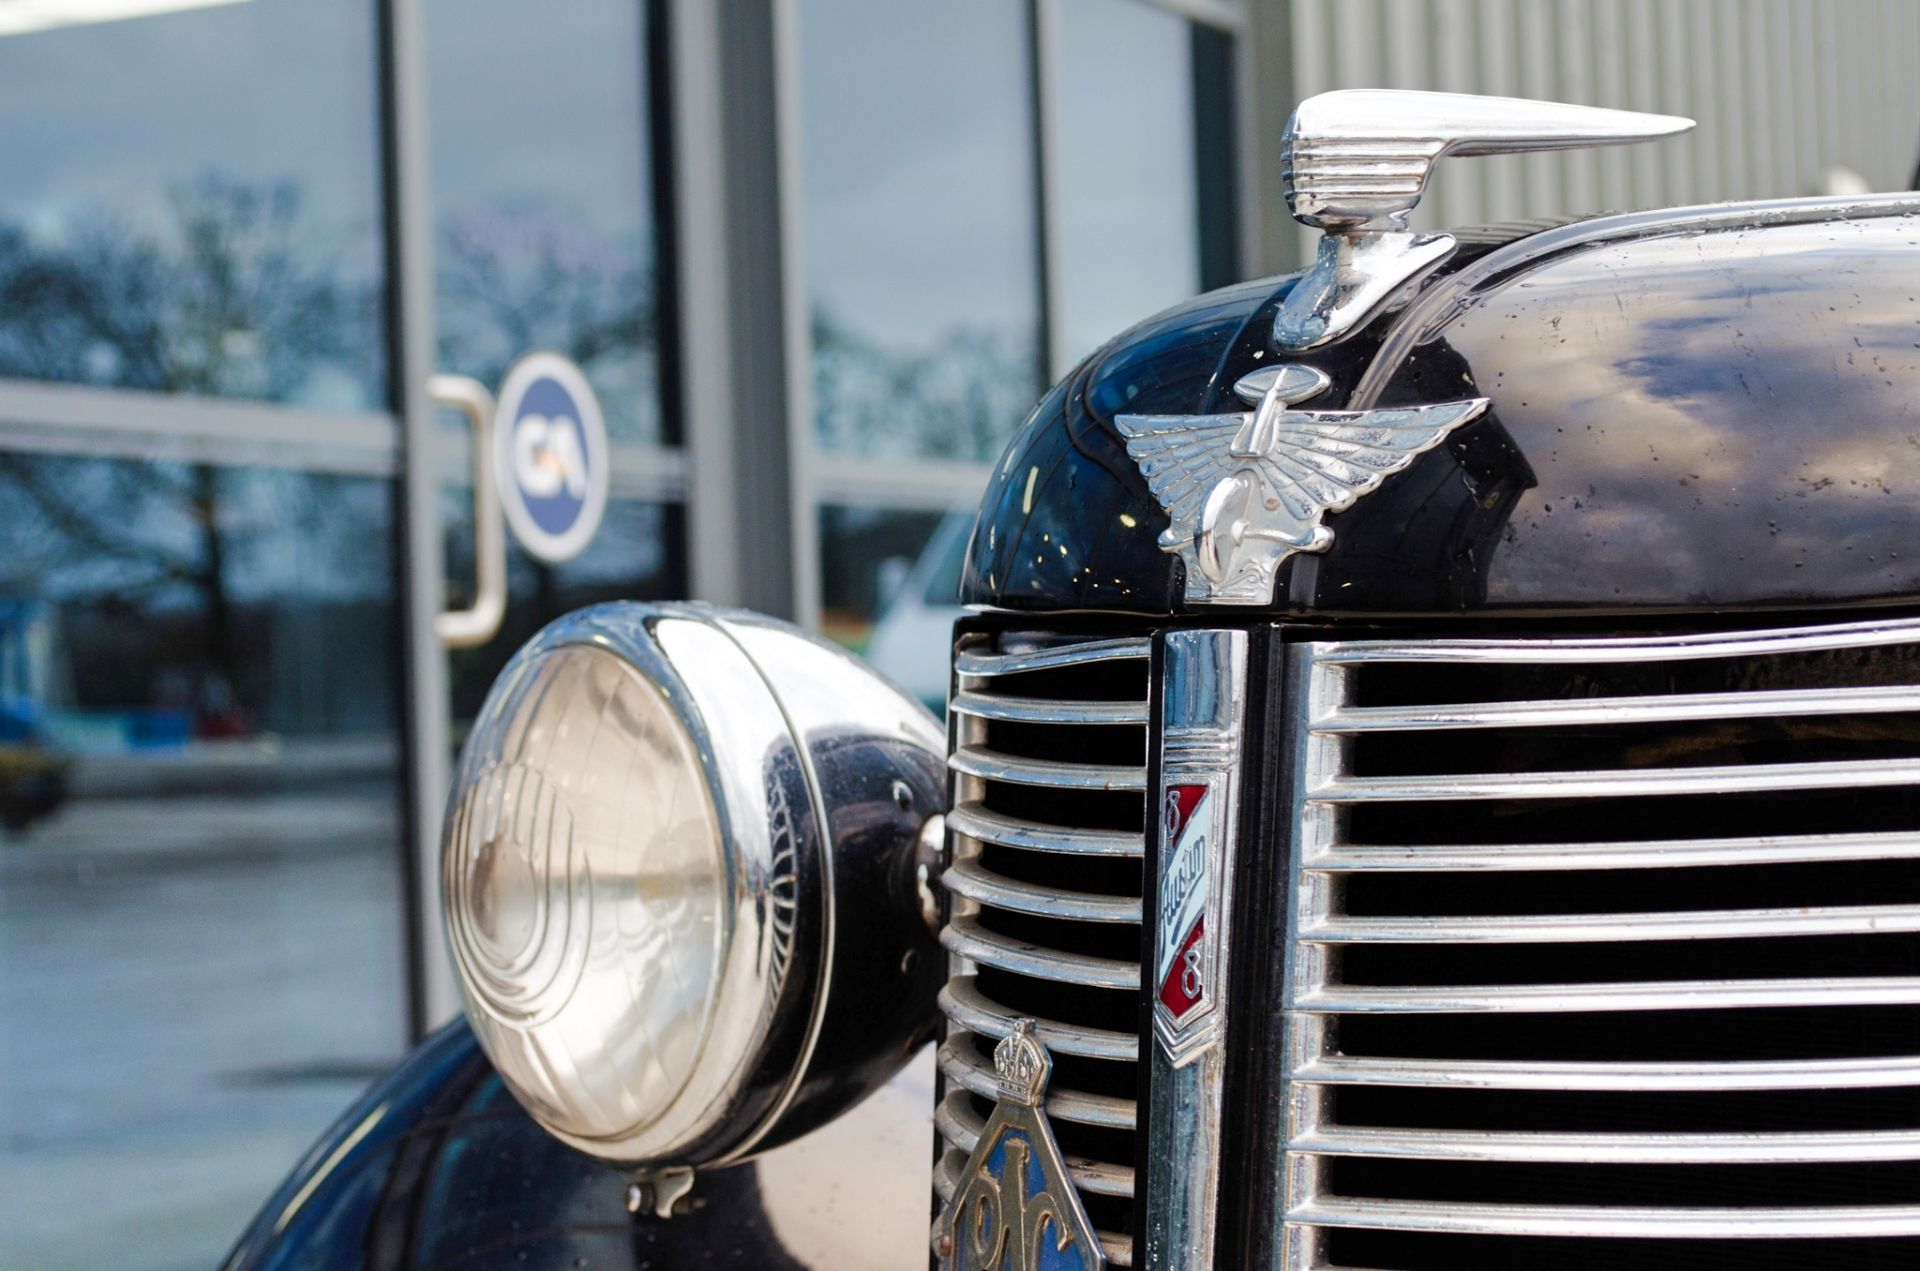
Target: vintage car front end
<point x="1503" y="715"/>
<point x="1430" y="777"/>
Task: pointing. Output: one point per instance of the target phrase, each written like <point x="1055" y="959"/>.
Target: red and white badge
<point x="1183" y="961"/>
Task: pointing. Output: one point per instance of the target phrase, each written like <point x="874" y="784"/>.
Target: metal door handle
<point x="477" y="624"/>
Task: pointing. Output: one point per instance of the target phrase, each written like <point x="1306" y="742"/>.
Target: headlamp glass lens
<point x="585" y="891"/>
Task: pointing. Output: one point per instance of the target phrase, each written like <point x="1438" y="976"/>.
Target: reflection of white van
<point x="911" y="643"/>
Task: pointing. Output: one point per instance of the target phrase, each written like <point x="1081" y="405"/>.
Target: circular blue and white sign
<point x="550" y="456"/>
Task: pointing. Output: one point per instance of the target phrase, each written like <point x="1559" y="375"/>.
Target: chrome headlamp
<point x="679" y="881"/>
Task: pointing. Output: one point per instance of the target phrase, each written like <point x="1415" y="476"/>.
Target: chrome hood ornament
<point x="1245" y="491"/>
<point x="1354" y="163"/>
<point x="1016" y="1209"/>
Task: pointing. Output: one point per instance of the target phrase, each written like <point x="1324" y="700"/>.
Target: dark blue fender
<point x="437" y="1166"/>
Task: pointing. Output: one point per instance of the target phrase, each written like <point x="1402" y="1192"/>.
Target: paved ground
<point x="190" y="989"/>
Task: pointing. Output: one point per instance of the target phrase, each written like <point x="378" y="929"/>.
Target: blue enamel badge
<point x="1016" y="1208"/>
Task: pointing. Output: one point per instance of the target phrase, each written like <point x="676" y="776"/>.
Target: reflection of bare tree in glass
<point x="226" y="294"/>
<point x="513" y="283"/>
<point x="182" y="570"/>
<point x="959" y="400"/>
<point x="104" y="520"/>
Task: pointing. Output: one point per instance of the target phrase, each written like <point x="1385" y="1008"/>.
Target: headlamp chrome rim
<point x="767" y="901"/>
<point x="769" y="1004"/>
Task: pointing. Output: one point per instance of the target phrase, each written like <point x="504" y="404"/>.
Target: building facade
<point x="816" y="258"/>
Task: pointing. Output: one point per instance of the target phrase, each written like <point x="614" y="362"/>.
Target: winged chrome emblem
<point x="1244" y="491"/>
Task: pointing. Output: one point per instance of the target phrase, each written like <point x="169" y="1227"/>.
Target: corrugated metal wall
<point x="1783" y="90"/>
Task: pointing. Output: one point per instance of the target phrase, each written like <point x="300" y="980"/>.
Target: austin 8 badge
<point x="1181" y="971"/>
<point x="1016" y="1208"/>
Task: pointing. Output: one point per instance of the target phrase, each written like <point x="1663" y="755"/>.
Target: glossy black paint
<point x="1068" y="522"/>
<point x="887" y="968"/>
<point x="1689" y="413"/>
<point x="438" y="1167"/>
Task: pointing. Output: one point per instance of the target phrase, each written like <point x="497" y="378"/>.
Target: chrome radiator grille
<point x="1604" y="953"/>
<point x="1049" y="778"/>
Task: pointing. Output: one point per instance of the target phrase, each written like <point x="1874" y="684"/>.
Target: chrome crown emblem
<point x="1245" y="491"/>
<point x="1023" y="1065"/>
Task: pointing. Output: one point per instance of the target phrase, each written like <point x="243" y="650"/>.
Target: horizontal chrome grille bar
<point x="967" y="938"/>
<point x="970" y="879"/>
<point x="1847" y="774"/>
<point x="1047" y="763"/>
<point x="988" y="765"/>
<point x="974" y="662"/>
<point x="1792" y="973"/>
<point x="1046" y="710"/>
<point x="1727" y="924"/>
<point x="1677" y="995"/>
<point x="1612" y="1149"/>
<point x="1809" y="1222"/>
<point x="961" y="1126"/>
<point x="978" y="822"/>
<point x="1665" y="648"/>
<point x="946" y="1181"/>
<point x="962" y="1002"/>
<point x="975" y="1072"/>
<point x="1652" y="854"/>
<point x="1530" y="1074"/>
<point x="1619" y="710"/>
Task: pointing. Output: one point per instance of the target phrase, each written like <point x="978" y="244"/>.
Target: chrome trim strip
<point x="960" y="1125"/>
<point x="1725" y="924"/>
<point x="1845" y="774"/>
<point x="971" y="662"/>
<point x="1439" y="304"/>
<point x="1202" y="729"/>
<point x="970" y="879"/>
<point x="1656" y="995"/>
<point x="967" y="938"/>
<point x="1046" y="710"/>
<point x="1810" y="1222"/>
<point x="1652" y="854"/>
<point x="1664" y="648"/>
<point x="1485" y="1074"/>
<point x="1612" y="1149"/>
<point x="962" y="1002"/>
<point x="976" y="821"/>
<point x="1620" y="710"/>
<point x="991" y="765"/>
<point x="1307" y="693"/>
<point x="960" y="1061"/>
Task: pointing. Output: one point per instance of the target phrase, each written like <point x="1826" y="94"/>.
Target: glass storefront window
<point x="543" y="193"/>
<point x="638" y="554"/>
<point x="1145" y="165"/>
<point x="921" y="225"/>
<point x="202" y="955"/>
<point x="192" y="202"/>
<point x="890" y="583"/>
